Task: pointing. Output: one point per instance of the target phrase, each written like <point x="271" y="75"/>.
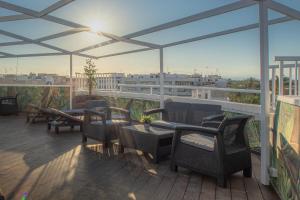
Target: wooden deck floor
<point x="50" y="166"/>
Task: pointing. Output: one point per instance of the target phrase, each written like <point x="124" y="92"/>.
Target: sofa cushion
<point x="176" y="112"/>
<point x="165" y="124"/>
<point x="199" y="111"/>
<point x="199" y="141"/>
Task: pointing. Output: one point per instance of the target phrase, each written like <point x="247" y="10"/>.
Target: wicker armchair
<point x="218" y="152"/>
<point x="9" y="105"/>
<point x="99" y="125"/>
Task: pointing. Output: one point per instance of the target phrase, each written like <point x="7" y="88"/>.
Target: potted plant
<point x="146" y="120"/>
<point x="90" y="73"/>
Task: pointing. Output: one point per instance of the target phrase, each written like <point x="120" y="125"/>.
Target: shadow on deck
<point x="50" y="166"/>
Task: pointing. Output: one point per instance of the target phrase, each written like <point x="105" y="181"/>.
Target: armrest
<point x="202" y="129"/>
<point x="97" y="113"/>
<point x="122" y="110"/>
<point x="212" y="124"/>
<point x="156" y="110"/>
<point x="218" y="117"/>
<point x="8" y="98"/>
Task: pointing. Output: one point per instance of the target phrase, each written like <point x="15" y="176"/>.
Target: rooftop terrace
<point x="50" y="166"/>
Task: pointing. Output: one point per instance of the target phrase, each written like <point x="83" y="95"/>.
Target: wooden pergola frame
<point x="263" y="24"/>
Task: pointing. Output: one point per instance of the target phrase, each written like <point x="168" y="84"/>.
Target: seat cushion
<point x="165" y="124"/>
<point x="199" y="141"/>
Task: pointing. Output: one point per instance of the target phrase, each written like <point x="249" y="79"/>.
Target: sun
<point x="96" y="26"/>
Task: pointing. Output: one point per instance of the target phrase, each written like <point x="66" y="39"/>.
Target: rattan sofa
<point x="177" y="113"/>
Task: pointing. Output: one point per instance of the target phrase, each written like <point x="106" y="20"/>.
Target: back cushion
<point x="96" y="103"/>
<point x="176" y="112"/>
<point x="199" y="111"/>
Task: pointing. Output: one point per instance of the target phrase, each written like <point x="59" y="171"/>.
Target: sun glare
<point x="96" y="26"/>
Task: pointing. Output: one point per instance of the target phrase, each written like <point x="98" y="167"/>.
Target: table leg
<point x="120" y="148"/>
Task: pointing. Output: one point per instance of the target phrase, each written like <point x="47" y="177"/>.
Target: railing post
<point x="265" y="96"/>
<point x="281" y="75"/>
<point x="295" y="81"/>
<point x="298" y="78"/>
<point x="151" y="90"/>
<point x="290" y="81"/>
<point x="161" y="77"/>
<point x="273" y="88"/>
<point x="71" y="80"/>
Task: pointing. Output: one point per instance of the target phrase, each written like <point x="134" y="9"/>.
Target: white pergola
<point x="263" y="24"/>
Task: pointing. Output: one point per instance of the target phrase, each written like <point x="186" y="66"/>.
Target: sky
<point x="233" y="56"/>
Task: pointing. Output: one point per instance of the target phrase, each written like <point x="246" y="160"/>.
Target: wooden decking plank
<point x="208" y="190"/>
<point x="237" y="187"/>
<point x="179" y="187"/>
<point x="223" y="193"/>
<point x="267" y="191"/>
<point x="193" y="189"/>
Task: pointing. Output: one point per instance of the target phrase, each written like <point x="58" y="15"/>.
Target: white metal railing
<point x="31" y="85"/>
<point x="195" y="94"/>
<point x="293" y="77"/>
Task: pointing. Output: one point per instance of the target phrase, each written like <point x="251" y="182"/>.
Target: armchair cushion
<point x="199" y="141"/>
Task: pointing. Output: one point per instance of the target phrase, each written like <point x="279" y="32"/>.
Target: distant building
<point x="104" y="81"/>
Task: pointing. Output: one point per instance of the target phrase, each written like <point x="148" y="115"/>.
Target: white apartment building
<point x="104" y="81"/>
<point x="139" y="83"/>
<point x="138" y="80"/>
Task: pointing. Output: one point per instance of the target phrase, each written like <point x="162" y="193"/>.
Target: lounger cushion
<point x="199" y="141"/>
<point x="165" y="124"/>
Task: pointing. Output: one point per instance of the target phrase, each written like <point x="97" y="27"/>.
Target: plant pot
<point x="147" y="126"/>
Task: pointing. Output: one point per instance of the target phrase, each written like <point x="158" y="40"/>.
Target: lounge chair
<point x="36" y="113"/>
<point x="218" y="152"/>
<point x="62" y="119"/>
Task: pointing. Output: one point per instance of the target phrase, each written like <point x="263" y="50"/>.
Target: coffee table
<point x="155" y="141"/>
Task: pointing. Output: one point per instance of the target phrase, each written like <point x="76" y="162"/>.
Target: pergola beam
<point x="45" y="38"/>
<point x="19" y="37"/>
<point x="55" y="6"/>
<point x="278" y="7"/>
<point x="14" y="17"/>
<point x="130" y="41"/>
<point x="287" y="58"/>
<point x="34" y="55"/>
<point x="202" y="15"/>
<point x="64" y="22"/>
<point x="226" y="32"/>
<point x="125" y="52"/>
<point x="202" y="37"/>
<point x="6" y="54"/>
<point x="283" y="66"/>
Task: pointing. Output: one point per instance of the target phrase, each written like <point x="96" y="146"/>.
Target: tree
<point x="90" y="73"/>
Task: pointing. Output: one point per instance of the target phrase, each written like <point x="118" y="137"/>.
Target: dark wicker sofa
<point x="177" y="113"/>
